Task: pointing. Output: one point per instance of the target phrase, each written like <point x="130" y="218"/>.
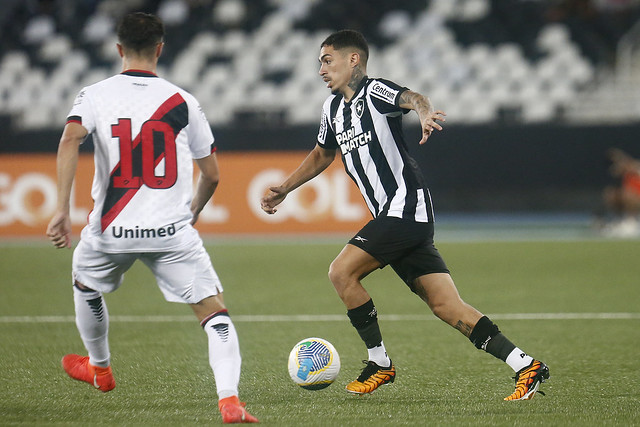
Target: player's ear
<point x="159" y="49"/>
<point x="354" y="59"/>
<point x="120" y="50"/>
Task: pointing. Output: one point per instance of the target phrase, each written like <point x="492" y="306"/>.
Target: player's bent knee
<point x="441" y="311"/>
<point x="446" y="309"/>
<point x="341" y="277"/>
<point x="82" y="287"/>
<point x="336" y="274"/>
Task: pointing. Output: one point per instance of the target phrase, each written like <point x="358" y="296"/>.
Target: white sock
<point x="379" y="355"/>
<point x="224" y="353"/>
<point x="518" y="359"/>
<point x="92" y="320"/>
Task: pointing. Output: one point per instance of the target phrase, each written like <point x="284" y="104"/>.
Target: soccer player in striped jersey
<point x="361" y="119"/>
<point x="146" y="134"/>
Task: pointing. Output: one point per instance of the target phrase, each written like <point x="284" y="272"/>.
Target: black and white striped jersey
<point x="368" y="132"/>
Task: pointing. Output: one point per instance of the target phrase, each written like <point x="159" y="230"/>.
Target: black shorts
<point x="405" y="245"/>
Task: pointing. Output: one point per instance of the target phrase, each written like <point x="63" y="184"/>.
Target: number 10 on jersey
<point x="139" y="157"/>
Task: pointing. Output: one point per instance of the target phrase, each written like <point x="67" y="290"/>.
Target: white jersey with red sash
<point x="146" y="131"/>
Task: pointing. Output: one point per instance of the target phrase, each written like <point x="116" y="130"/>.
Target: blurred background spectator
<point x="621" y="216"/>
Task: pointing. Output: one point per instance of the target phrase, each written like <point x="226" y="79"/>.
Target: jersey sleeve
<point x="385" y="96"/>
<point x="201" y="140"/>
<point x="81" y="112"/>
<point x="326" y="134"/>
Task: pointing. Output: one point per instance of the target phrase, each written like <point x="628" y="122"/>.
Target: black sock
<point x="365" y="320"/>
<point x="486" y="336"/>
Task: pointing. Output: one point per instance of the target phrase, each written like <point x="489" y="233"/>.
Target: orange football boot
<point x="233" y="411"/>
<point x="372" y="377"/>
<point x="79" y="368"/>
<point x="528" y="380"/>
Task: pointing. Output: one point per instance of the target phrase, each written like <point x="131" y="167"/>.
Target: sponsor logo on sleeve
<point x="384" y="92"/>
<point x="79" y="98"/>
<point x="322" y="132"/>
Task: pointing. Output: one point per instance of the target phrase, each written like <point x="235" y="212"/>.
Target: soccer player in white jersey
<point x="146" y="133"/>
<point x="362" y="120"/>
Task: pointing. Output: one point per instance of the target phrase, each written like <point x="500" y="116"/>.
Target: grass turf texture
<point x="163" y="376"/>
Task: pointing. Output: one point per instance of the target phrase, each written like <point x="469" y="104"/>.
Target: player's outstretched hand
<point x="273" y="198"/>
<point x="429" y="124"/>
<point x="59" y="229"/>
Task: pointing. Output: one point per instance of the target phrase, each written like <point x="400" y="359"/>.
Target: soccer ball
<point x="314" y="363"/>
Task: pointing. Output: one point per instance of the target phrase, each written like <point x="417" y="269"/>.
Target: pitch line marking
<point x="324" y="317"/>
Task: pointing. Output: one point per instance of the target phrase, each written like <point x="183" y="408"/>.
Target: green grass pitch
<point x="163" y="376"/>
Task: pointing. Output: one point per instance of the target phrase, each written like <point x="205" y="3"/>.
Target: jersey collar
<point x="139" y="73"/>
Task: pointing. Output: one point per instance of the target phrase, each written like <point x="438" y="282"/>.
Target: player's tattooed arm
<point x="422" y="105"/>
<point x="464" y="328"/>
<point x="415" y="101"/>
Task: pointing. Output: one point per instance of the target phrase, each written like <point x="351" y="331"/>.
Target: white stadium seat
<point x="273" y="65"/>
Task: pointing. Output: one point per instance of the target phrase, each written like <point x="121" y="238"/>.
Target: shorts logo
<point x="360" y="239"/>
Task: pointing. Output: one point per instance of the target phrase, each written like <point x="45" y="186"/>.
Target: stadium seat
<point x="458" y="52"/>
<point x="14" y="63"/>
<point x="38" y="29"/>
<point x="99" y="27"/>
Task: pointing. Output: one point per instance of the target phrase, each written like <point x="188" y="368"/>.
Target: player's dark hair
<point x="348" y="38"/>
<point x="140" y="32"/>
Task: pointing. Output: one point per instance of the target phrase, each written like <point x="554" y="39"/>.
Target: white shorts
<point x="184" y="275"/>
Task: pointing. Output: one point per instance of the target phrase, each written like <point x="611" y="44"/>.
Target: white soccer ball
<point x="314" y="363"/>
